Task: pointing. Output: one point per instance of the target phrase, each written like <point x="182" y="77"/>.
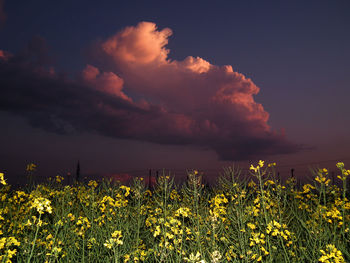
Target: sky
<point x="128" y="86"/>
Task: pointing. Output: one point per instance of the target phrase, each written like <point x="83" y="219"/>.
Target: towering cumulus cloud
<point x="131" y="89"/>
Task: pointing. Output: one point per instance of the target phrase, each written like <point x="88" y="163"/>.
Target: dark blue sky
<point x="296" y="52"/>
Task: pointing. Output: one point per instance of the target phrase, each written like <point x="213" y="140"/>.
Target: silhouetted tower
<point x="77" y="175"/>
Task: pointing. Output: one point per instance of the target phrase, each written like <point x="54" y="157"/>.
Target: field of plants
<point x="259" y="220"/>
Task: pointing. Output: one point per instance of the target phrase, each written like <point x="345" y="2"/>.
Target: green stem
<point x="36" y="234"/>
<point x="54" y="240"/>
<point x="264" y="208"/>
<point x="116" y="256"/>
<point x="286" y="258"/>
<point x="197" y="214"/>
<point x="138" y="222"/>
<point x="240" y="226"/>
<point x="343" y="208"/>
<point x="83" y="249"/>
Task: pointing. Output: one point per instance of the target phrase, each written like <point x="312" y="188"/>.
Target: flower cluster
<point x="6" y="253"/>
<point x="275" y="229"/>
<point x="257" y="168"/>
<point x="2" y="180"/>
<point x="31" y="167"/>
<point x="256" y="220"/>
<point x="115" y="240"/>
<point x="345" y="173"/>
<point x="322" y="177"/>
<point x="42" y="205"/>
<point x="82" y="224"/>
<point x="194" y="258"/>
<point x="332" y="254"/>
<point x="218" y="206"/>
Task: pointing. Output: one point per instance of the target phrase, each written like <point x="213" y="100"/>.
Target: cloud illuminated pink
<point x="140" y="45"/>
<point x="132" y="89"/>
<point x="215" y="102"/>
<point x="107" y="82"/>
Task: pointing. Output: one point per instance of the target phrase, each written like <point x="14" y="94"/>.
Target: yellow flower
<point x="13" y="241"/>
<point x="55" y="252"/>
<point x="193" y="258"/>
<point x="59" y="179"/>
<point x="257" y="238"/>
<point x="345" y="173"/>
<point x="42" y="205"/>
<point x="115" y="240"/>
<point x="216" y="256"/>
<point x="261" y="163"/>
<point x="271" y="164"/>
<point x="321" y="177"/>
<point x="117" y="234"/>
<point x="31" y="167"/>
<point x="340" y="165"/>
<point x="251" y="184"/>
<point x="2" y="180"/>
<point x="127" y="190"/>
<point x="183" y="211"/>
<point x="332" y="254"/>
<point x="93" y="183"/>
<point x="251" y="226"/>
<point x="255" y="169"/>
<point x="109" y="243"/>
<point x="59" y="223"/>
<point x="92" y="241"/>
<point x="157" y="231"/>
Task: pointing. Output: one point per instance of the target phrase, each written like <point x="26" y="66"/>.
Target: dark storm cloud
<point x="61" y="105"/>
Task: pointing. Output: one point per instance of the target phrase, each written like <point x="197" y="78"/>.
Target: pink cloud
<point x="140" y="45"/>
<point x="107" y="82"/>
<point x="133" y="90"/>
<point x="208" y="104"/>
<point x="190" y="85"/>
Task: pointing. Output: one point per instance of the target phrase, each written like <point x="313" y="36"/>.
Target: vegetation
<point x="236" y="221"/>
